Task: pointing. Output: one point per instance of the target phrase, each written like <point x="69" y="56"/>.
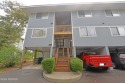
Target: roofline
<point x="74" y="6"/>
<point x="111" y="2"/>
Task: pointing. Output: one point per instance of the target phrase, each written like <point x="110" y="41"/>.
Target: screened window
<point x="112" y="13"/>
<point x="42" y="16"/>
<point x="118" y="31"/>
<point x="87" y="31"/>
<point x="85" y="13"/>
<point x="39" y="33"/>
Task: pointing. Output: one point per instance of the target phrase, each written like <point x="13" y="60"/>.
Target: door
<point x="67" y="42"/>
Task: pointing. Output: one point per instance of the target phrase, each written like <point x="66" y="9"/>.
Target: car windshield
<point x="122" y="55"/>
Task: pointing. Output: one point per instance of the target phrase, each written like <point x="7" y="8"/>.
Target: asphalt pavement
<point x="35" y="76"/>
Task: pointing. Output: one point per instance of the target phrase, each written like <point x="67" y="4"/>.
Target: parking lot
<point x="111" y="76"/>
<point x="34" y="76"/>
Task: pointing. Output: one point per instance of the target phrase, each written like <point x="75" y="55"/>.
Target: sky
<point x="39" y="2"/>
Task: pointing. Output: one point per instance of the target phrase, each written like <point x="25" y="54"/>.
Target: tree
<point x="12" y="24"/>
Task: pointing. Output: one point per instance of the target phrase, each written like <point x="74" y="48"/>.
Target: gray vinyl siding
<point x="40" y="23"/>
<point x="38" y="42"/>
<point x="102" y="23"/>
<point x="34" y="23"/>
<point x="98" y="19"/>
<point x="103" y="38"/>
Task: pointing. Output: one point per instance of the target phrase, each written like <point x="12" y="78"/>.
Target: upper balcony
<point x="62" y="30"/>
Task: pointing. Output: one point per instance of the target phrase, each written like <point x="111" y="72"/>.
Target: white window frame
<point x="39" y="29"/>
<point x="84" y="16"/>
<point x="41" y="15"/>
<point x="118" y="31"/>
<point x="86" y="27"/>
<point x="112" y="14"/>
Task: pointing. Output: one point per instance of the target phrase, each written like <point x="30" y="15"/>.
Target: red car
<point x="90" y="59"/>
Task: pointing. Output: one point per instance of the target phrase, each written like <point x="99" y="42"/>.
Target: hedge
<point x="48" y="65"/>
<point x="9" y="56"/>
<point x="76" y="64"/>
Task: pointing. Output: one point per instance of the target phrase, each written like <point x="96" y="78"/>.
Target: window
<point x="42" y="16"/>
<point x="85" y="13"/>
<point x="39" y="33"/>
<point x="87" y="31"/>
<point x="118" y="31"/>
<point x="111" y="13"/>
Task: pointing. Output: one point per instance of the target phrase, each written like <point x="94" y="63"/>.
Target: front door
<point x="60" y="43"/>
<point x="63" y="44"/>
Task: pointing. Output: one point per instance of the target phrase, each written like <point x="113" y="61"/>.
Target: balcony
<point x="62" y="29"/>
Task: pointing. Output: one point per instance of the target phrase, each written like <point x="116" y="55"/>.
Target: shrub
<point x="9" y="56"/>
<point x="76" y="64"/>
<point x="48" y="65"/>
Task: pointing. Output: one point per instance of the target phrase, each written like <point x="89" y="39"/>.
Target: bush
<point x="9" y="56"/>
<point x="76" y="64"/>
<point x="48" y="65"/>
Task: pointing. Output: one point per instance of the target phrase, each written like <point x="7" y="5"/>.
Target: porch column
<point x="51" y="52"/>
<point x="74" y="52"/>
<point x="34" y="57"/>
<point x="107" y="50"/>
<point x="22" y="58"/>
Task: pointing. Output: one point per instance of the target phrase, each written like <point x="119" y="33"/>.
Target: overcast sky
<point x="38" y="2"/>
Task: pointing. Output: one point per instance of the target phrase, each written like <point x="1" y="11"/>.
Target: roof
<point x="74" y="7"/>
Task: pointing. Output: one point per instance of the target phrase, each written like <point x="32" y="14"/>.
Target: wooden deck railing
<point x="56" y="56"/>
<point x="63" y="28"/>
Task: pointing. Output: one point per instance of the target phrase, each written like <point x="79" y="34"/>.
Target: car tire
<point x="114" y="66"/>
<point x="105" y="69"/>
<point x="85" y="65"/>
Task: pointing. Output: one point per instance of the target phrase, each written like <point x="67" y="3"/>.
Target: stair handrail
<point x="56" y="55"/>
<point x="68" y="55"/>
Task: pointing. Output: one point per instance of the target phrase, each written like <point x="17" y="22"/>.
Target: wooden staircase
<point x="62" y="63"/>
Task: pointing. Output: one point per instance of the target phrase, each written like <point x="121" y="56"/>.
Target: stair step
<point x="62" y="65"/>
<point x="62" y="58"/>
<point x="62" y="70"/>
<point x="62" y="62"/>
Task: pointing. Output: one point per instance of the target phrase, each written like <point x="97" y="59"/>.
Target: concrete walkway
<point x="63" y="77"/>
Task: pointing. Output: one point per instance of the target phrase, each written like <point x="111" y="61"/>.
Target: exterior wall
<point x="37" y="24"/>
<point x="104" y="37"/>
<point x="98" y="19"/>
<point x="98" y="50"/>
<point x="103" y="51"/>
<point x="38" y="42"/>
<point x="40" y="23"/>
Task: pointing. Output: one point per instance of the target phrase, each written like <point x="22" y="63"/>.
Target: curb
<point x="63" y="77"/>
